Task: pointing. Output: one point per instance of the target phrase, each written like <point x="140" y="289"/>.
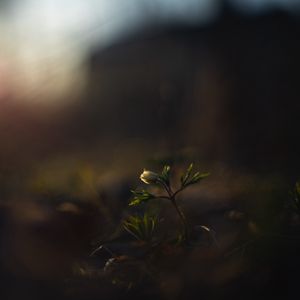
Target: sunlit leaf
<point x="140" y="197"/>
<point x="187" y="174"/>
<point x="188" y="178"/>
<point x="141" y="227"/>
<point x="165" y="174"/>
<point x="197" y="177"/>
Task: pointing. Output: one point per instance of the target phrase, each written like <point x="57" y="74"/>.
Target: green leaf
<point x="188" y="178"/>
<point x="197" y="177"/>
<point x="165" y="174"/>
<point x="187" y="174"/>
<point x="141" y="227"/>
<point x="140" y="197"/>
<point x="127" y="226"/>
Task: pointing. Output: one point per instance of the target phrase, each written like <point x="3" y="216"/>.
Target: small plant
<point x="133" y="263"/>
<point x="141" y="227"/>
<point x="163" y="180"/>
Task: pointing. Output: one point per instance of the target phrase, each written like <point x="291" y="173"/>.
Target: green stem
<point x="172" y="198"/>
<point x="178" y="191"/>
<point x="167" y="188"/>
<point x="181" y="217"/>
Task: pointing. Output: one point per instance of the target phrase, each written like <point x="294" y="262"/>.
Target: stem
<point x="178" y="191"/>
<point x="162" y="197"/>
<point x="167" y="188"/>
<point x="181" y="216"/>
<point x="172" y="198"/>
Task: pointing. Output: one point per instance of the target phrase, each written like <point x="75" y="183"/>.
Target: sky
<point x="44" y="43"/>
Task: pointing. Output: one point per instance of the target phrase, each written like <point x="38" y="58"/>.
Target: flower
<point x="149" y="177"/>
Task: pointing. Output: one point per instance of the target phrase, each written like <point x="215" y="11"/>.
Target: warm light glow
<point x="46" y="42"/>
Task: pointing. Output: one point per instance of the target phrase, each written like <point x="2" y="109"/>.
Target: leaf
<point x="197" y="177"/>
<point x="140" y="197"/>
<point x="133" y="226"/>
<point x="188" y="178"/>
<point x="127" y="228"/>
<point x="141" y="227"/>
<point x="187" y="174"/>
<point x="165" y="174"/>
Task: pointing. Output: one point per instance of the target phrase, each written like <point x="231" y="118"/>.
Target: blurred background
<point x="92" y="91"/>
<point x="216" y="76"/>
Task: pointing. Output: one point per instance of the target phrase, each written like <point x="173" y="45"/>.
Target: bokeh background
<point x="217" y="76"/>
<point x="93" y="91"/>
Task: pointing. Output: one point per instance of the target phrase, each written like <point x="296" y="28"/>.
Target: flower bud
<point x="149" y="177"/>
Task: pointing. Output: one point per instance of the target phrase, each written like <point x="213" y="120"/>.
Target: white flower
<point x="149" y="177"/>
